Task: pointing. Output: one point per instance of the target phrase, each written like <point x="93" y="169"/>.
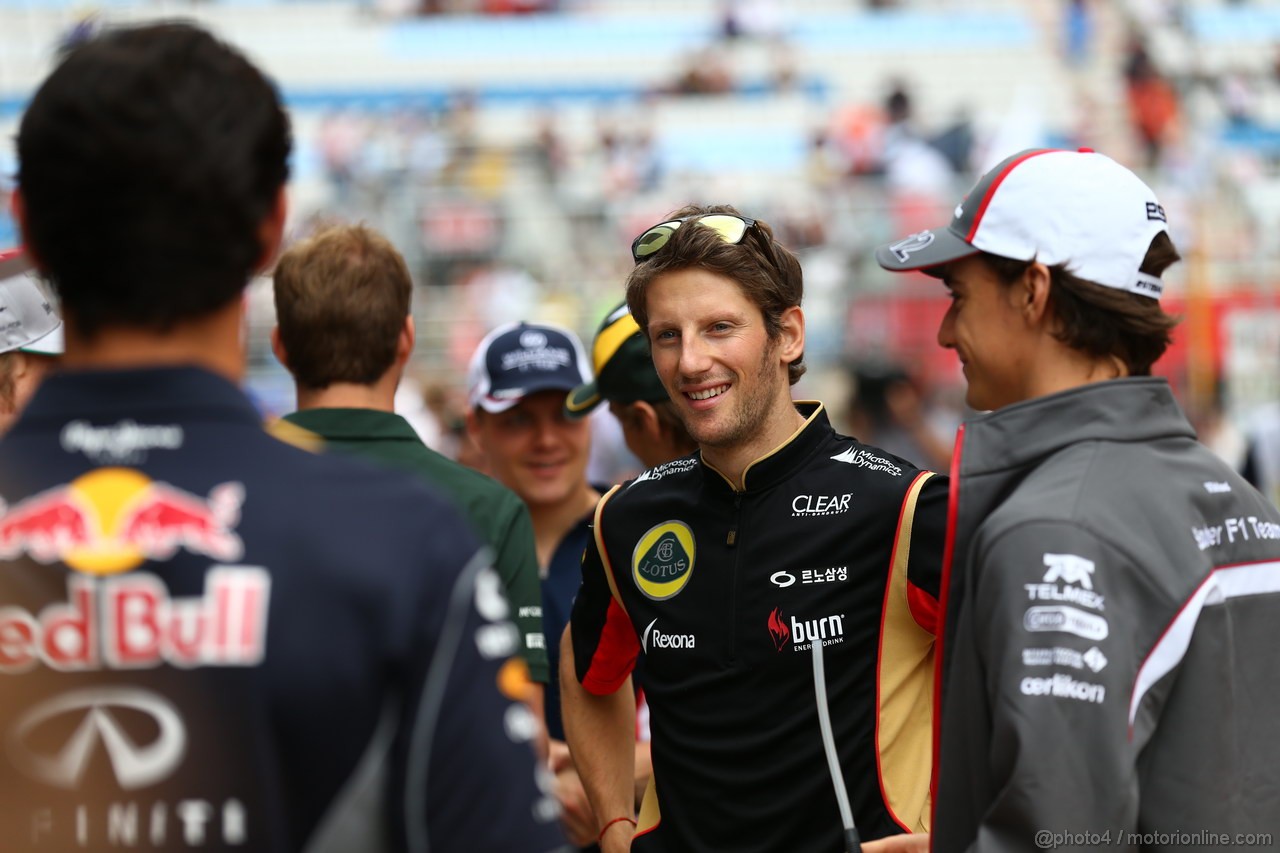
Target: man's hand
<point x="575" y="809"/>
<point x="915" y="843"/>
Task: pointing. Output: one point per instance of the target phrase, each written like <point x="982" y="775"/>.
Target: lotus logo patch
<point x="662" y="562"/>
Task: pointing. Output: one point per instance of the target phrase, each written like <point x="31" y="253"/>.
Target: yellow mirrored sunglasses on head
<point x="731" y="228"/>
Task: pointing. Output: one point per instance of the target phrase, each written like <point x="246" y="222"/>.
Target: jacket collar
<point x="1137" y="409"/>
<point x="169" y="393"/>
<point x="785" y="459"/>
<point x="337" y="424"/>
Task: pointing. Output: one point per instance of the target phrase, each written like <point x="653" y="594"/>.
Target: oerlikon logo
<point x="96" y="725"/>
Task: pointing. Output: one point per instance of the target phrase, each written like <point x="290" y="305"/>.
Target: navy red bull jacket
<point x="210" y="638"/>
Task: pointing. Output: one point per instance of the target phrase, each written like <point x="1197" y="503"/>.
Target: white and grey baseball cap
<point x="29" y="322"/>
<point x="1077" y="208"/>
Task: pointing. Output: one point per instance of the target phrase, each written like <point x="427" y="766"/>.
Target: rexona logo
<point x="662" y="561"/>
<point x="654" y="637"/>
<point x="827" y="630"/>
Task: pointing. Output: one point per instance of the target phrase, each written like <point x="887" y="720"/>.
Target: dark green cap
<point x="623" y="369"/>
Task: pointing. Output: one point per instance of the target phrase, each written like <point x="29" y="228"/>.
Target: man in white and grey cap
<point x="1108" y="673"/>
<point x="30" y="335"/>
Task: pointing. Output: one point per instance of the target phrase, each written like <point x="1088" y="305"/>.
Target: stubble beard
<point x="749" y="414"/>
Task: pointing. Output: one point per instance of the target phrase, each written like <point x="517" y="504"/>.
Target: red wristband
<point x="600" y="837"/>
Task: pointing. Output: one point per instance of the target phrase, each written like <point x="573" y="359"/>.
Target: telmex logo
<point x="113" y="519"/>
<point x="662" y="561"/>
<point x="1069" y="568"/>
<point x="135" y="765"/>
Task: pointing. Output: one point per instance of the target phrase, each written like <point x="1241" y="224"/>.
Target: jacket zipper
<point x="731" y="541"/>
<point x="732" y="538"/>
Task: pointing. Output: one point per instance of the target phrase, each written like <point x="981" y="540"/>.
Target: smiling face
<point x="988" y="328"/>
<point x="534" y="450"/>
<point x="726" y="377"/>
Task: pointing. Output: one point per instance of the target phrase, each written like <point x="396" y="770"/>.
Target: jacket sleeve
<point x="468" y="778"/>
<point x="928" y="535"/>
<point x="605" y="646"/>
<point x="1054" y="625"/>
<point x="517" y="563"/>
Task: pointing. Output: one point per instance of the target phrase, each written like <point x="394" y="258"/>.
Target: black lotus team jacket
<point x="725" y="592"/>
<point x="213" y="640"/>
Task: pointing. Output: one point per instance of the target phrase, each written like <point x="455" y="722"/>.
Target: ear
<point x="271" y="231"/>
<point x="473" y="427"/>
<point x="18" y="207"/>
<point x="405" y="341"/>
<point x="278" y="348"/>
<point x="21" y="362"/>
<point x="646" y="420"/>
<point x="1032" y="294"/>
<point x="792" y="338"/>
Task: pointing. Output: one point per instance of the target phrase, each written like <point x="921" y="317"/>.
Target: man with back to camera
<point x="1115" y="585"/>
<point x="626" y="380"/>
<point x="345" y="333"/>
<point x="725" y="567"/>
<point x="211" y="638"/>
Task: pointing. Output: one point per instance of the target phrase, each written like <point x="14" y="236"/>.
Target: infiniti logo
<point x="135" y="765"/>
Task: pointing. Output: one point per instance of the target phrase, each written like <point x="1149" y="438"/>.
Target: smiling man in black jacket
<point x="726" y="567"/>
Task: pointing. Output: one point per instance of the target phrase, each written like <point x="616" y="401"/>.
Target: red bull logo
<point x="114" y="519"/>
<point x="132" y="622"/>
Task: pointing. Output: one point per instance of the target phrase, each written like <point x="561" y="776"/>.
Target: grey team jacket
<point x="1110" y="653"/>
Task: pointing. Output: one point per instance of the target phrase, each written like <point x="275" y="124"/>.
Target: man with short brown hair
<point x="729" y="567"/>
<point x="345" y="333"/>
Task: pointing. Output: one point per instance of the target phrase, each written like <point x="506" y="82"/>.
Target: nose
<point x="545" y="433"/>
<point x="695" y="356"/>
<point x="947" y="328"/>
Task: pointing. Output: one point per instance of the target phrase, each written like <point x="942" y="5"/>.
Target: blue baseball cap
<point x="519" y="359"/>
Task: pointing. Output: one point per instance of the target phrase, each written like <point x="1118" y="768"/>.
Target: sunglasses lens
<point x="730" y="228"/>
<point x="653" y="239"/>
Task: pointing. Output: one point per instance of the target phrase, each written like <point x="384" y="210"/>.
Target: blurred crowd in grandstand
<point x="512" y="148"/>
